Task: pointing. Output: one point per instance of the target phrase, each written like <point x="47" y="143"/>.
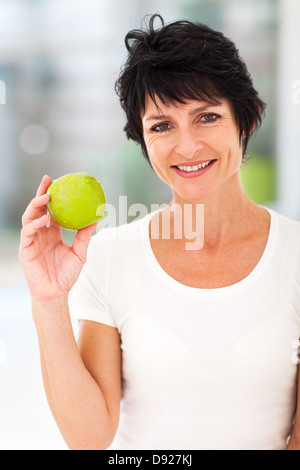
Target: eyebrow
<point x="194" y="111"/>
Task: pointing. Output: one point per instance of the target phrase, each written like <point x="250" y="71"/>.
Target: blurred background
<point x="59" y="113"/>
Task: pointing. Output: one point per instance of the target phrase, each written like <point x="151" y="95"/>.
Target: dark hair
<point x="182" y="61"/>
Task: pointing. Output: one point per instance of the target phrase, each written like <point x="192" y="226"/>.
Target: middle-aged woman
<point x="181" y="345"/>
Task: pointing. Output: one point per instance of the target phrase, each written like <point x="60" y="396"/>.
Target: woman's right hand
<point x="51" y="267"/>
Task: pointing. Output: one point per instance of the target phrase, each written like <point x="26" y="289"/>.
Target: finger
<point x="81" y="242"/>
<point x="30" y="230"/>
<point x="53" y="224"/>
<point x="37" y="203"/>
<point x="35" y="209"/>
<point x="45" y="183"/>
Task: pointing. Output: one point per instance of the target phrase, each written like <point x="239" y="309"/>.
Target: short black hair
<point x="180" y="61"/>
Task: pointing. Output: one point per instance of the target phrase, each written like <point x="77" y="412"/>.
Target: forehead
<point x="158" y="107"/>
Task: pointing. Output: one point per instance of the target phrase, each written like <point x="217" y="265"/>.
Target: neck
<point x="228" y="213"/>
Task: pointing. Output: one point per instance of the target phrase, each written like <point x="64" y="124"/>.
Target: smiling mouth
<point x="191" y="168"/>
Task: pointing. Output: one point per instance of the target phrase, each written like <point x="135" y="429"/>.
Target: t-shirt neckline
<point x="179" y="287"/>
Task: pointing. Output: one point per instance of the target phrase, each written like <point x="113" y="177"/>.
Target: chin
<point x="192" y="195"/>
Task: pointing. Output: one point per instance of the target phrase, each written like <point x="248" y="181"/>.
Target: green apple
<point x="76" y="201"/>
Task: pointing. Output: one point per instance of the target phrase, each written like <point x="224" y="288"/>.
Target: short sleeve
<point x="89" y="296"/>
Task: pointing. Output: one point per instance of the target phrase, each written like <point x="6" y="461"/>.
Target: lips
<point x="186" y="172"/>
<point x="200" y="162"/>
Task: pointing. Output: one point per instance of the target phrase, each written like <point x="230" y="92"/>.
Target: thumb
<point x="81" y="242"/>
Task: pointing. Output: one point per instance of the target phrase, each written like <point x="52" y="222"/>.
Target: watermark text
<point x="177" y="222"/>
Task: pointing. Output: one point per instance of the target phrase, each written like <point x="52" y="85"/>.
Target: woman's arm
<point x="294" y="442"/>
<point x="83" y="392"/>
<point x="82" y="384"/>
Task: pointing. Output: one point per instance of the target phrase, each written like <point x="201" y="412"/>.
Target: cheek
<point x="227" y="143"/>
<point x="150" y="143"/>
<point x="157" y="147"/>
<point x="158" y="155"/>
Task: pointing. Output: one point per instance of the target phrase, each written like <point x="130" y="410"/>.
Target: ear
<point x="258" y="108"/>
<point x="251" y="132"/>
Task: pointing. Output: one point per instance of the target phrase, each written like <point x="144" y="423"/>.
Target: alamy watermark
<point x="2" y="92"/>
<point x="173" y="221"/>
<point x="296" y="93"/>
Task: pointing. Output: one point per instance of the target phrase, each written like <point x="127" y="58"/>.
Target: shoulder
<point x="288" y="230"/>
<point x="286" y="245"/>
<point x="129" y="230"/>
<point x="120" y="239"/>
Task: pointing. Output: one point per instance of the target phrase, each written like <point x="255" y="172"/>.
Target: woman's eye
<point x="163" y="127"/>
<point x="208" y="118"/>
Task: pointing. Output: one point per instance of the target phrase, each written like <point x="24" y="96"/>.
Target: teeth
<point x="195" y="167"/>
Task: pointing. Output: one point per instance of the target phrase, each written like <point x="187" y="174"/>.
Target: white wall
<point x="288" y="112"/>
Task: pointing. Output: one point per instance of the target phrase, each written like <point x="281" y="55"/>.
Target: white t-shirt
<point x="201" y="368"/>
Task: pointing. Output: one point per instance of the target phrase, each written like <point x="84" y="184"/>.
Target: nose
<point x="188" y="143"/>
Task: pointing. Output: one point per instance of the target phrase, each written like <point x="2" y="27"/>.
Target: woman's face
<point x="194" y="147"/>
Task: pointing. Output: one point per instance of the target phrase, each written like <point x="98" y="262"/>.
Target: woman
<point x="181" y="346"/>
